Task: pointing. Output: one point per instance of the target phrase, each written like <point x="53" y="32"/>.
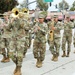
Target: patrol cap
<point x="5" y="14"/>
<point x="41" y="16"/>
<point x="67" y="16"/>
<point x="55" y="16"/>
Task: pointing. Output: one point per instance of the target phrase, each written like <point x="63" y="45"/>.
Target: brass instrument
<point x="15" y="12"/>
<point x="52" y="32"/>
<point x="25" y="10"/>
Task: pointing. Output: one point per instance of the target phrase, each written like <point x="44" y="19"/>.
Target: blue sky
<point x="33" y="6"/>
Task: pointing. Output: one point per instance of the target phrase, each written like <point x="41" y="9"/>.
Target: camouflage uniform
<point x="19" y="42"/>
<point x="67" y="36"/>
<point x="1" y="31"/>
<point x="5" y="38"/>
<point x="74" y="37"/>
<point x="27" y="36"/>
<point x="55" y="44"/>
<point x="30" y="34"/>
<point x="39" y="45"/>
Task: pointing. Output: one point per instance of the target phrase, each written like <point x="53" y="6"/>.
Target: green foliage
<point x="63" y="5"/>
<point x="73" y="6"/>
<point x="7" y="5"/>
<point x="42" y="5"/>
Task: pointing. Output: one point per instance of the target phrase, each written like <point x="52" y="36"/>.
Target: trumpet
<point x="24" y="10"/>
<point x="15" y="12"/>
<point x="52" y="33"/>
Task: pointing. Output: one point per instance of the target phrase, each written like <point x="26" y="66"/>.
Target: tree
<point x="24" y="4"/>
<point x="42" y="5"/>
<point x="63" y="5"/>
<point x="73" y="6"/>
<point x="7" y="5"/>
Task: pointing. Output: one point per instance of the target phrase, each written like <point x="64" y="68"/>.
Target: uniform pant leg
<point x="42" y="51"/>
<point x="69" y="43"/>
<point x="26" y="45"/>
<point x="57" y="45"/>
<point x="20" y="50"/>
<point x="35" y="49"/>
<point x="64" y="43"/>
<point x="3" y="51"/>
<point x="52" y="47"/>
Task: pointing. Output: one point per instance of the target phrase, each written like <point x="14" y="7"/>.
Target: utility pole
<point x="27" y="1"/>
<point x="63" y="11"/>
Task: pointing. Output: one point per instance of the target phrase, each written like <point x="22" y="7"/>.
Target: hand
<point x="35" y="30"/>
<point x="38" y="27"/>
<point x="53" y="28"/>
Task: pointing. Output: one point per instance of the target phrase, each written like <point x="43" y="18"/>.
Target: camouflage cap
<point x="67" y="16"/>
<point x="41" y="16"/>
<point x="55" y="16"/>
<point x="5" y="13"/>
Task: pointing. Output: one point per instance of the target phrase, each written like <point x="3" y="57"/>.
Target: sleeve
<point x="27" y="26"/>
<point x="72" y="25"/>
<point x="44" y="29"/>
<point x="59" y="26"/>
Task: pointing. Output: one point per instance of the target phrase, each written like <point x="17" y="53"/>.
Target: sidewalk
<point x="64" y="66"/>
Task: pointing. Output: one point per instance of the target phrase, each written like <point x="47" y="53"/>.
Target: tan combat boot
<point x="64" y="54"/>
<point x="53" y="58"/>
<point x="18" y="71"/>
<point x="15" y="70"/>
<point x="56" y="58"/>
<point x="68" y="54"/>
<point x="39" y="63"/>
<point x="4" y="58"/>
<point x="7" y="59"/>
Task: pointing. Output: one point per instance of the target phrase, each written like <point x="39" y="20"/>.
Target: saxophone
<point x="52" y="32"/>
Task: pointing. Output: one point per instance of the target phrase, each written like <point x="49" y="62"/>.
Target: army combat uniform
<point x="1" y="32"/>
<point x="74" y="37"/>
<point x="39" y="44"/>
<point x="67" y="36"/>
<point x="18" y="42"/>
<point x="5" y="38"/>
<point x="55" y="43"/>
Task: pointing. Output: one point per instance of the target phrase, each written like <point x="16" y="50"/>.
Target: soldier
<point x="54" y="28"/>
<point x="1" y="31"/>
<point x="39" y="44"/>
<point x="67" y="36"/>
<point x="5" y="38"/>
<point x="18" y="42"/>
<point x="30" y="34"/>
<point x="27" y="34"/>
<point x="74" y="38"/>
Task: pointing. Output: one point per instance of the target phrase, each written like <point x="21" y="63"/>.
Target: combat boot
<point x="15" y="70"/>
<point x="68" y="54"/>
<point x="7" y="59"/>
<point x="64" y="54"/>
<point x="53" y="58"/>
<point x="56" y="58"/>
<point x="18" y="71"/>
<point x="4" y="58"/>
<point x="39" y="63"/>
